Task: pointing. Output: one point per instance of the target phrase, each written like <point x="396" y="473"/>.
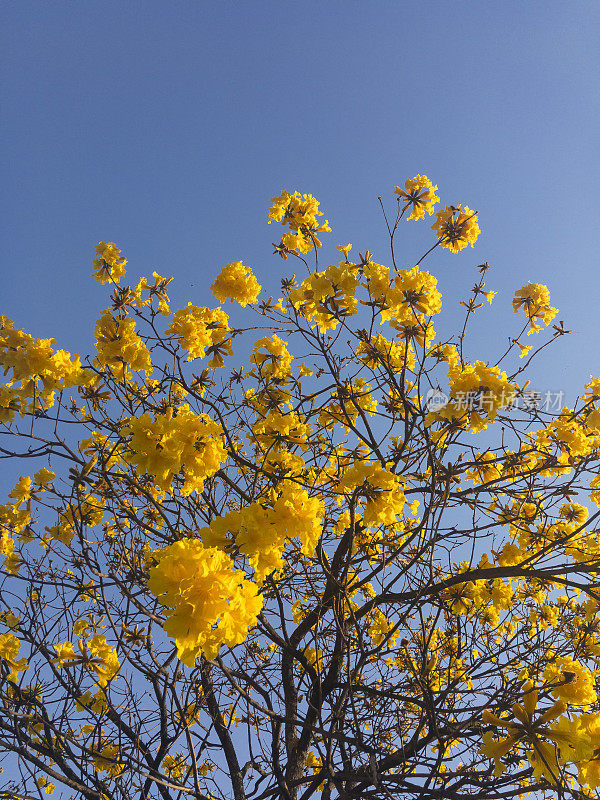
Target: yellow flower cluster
<point x="107" y="758"/>
<point x="9" y="650"/>
<point x="175" y="766"/>
<point x="299" y="213"/>
<point x="95" y="702"/>
<point x="346" y="405"/>
<point x="37" y="372"/>
<point x="566" y="437"/>
<point x="377" y="278"/>
<point x="260" y="531"/>
<point x="551" y="741"/>
<point x="325" y="297"/>
<point x="534" y="300"/>
<point x="119" y="346"/>
<point x="209" y="603"/>
<point x="236" y="282"/>
<point x="46" y="785"/>
<point x="157" y="290"/>
<point x="486" y="467"/>
<point x="478" y="392"/>
<point x="413" y="297"/>
<point x="483" y="599"/>
<point x="15" y="517"/>
<point x="382" y="490"/>
<point x="7" y="549"/>
<point x="379" y="351"/>
<point x="419" y="194"/>
<point x="276" y="363"/>
<point x="173" y="442"/>
<point x="95" y="655"/>
<point x="456" y="227"/>
<point x="542" y="755"/>
<point x="277" y="429"/>
<point x="200" y="329"/>
<point x="111" y="264"/>
<point x="381" y="630"/>
<point x="571" y="681"/>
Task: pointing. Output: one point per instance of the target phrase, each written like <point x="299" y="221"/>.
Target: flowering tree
<point x="348" y="565"/>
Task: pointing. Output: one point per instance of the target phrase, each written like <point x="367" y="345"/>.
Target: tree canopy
<point x="322" y="553"/>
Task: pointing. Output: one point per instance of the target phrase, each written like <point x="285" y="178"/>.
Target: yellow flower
<point x="260" y="532"/>
<point x="456" y="227"/>
<point x="45" y="784"/>
<point x="103" y="661"/>
<point x="571" y="681"/>
<point x="202" y="330"/>
<point x="236" y="282"/>
<point x="9" y="650"/>
<point x="276" y="363"/>
<point x="96" y="655"/>
<point x="111" y="265"/>
<point x="209" y="603"/>
<point x="119" y="346"/>
<point x="522" y="729"/>
<point x="344" y="248"/>
<point x="414" y="293"/>
<point x="327" y="296"/>
<point x="419" y="194"/>
<point x="43" y="477"/>
<point x="382" y="490"/>
<point x="524" y="349"/>
<point x="534" y="299"/>
<point x="299" y="213"/>
<point x="175" y="766"/>
<point x="169" y="444"/>
<point x="108" y="759"/>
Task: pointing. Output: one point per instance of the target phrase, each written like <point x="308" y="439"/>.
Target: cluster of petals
<point x="299" y="213"/>
<point x="379" y="351"/>
<point x="271" y="356"/>
<point x="414" y="293"/>
<point x="260" y="530"/>
<point x="166" y="445"/>
<point x="277" y="428"/>
<point x="95" y="655"/>
<point x="110" y="266"/>
<point x="551" y="739"/>
<point x="347" y="403"/>
<point x="478" y="391"/>
<point x="208" y="602"/>
<point x="238" y="283"/>
<point x="119" y="347"/>
<point x="456" y="227"/>
<point x="37" y="372"/>
<point x="419" y="194"/>
<point x="383" y="492"/>
<point x="201" y="329"/>
<point x="9" y="650"/>
<point x="324" y="297"/>
<point x="534" y="300"/>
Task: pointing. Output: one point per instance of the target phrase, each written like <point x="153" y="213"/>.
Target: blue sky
<point x="167" y="126"/>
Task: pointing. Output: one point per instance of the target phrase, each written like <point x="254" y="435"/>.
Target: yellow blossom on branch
<point x="456" y="227"/>
<point x="534" y="300"/>
<point x="419" y="194"/>
<point x="111" y="264"/>
<point x="236" y="282"/>
<point x="208" y="602"/>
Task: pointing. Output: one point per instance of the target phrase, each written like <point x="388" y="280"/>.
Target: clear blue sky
<point x="167" y="126"/>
